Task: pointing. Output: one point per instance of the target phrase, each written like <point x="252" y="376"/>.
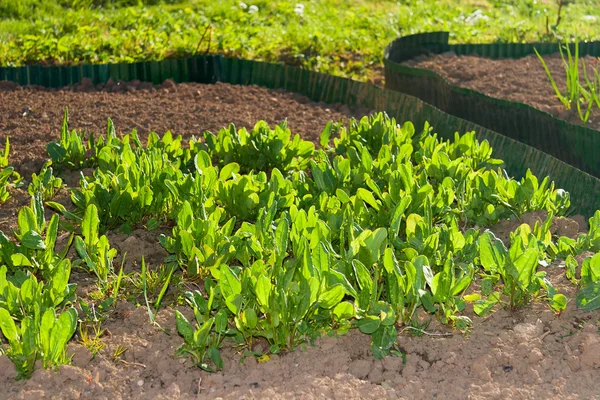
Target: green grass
<point x="340" y="37"/>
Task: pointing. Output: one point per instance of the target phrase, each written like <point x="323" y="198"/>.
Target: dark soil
<point x="522" y="80"/>
<point x="32" y="117"/>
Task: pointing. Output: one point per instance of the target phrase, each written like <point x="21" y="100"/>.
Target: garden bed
<point x="527" y="353"/>
<point x="521" y="80"/>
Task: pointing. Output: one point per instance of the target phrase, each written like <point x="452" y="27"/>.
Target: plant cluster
<point x="288" y="241"/>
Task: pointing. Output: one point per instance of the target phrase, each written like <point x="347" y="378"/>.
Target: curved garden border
<point x="573" y="144"/>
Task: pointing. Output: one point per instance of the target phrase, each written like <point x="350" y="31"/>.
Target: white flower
<point x="590" y="18"/>
<point x="299" y="9"/>
<point x="243" y="6"/>
<point x="252" y="9"/>
<point x="475" y="17"/>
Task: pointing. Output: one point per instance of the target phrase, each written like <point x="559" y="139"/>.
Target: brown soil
<point x="32" y="117"/>
<point x="522" y="80"/>
<point x="528" y="354"/>
<point x="531" y="353"/>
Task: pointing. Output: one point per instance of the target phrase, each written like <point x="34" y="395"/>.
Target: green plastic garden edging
<point x="573" y="144"/>
<point x="518" y="157"/>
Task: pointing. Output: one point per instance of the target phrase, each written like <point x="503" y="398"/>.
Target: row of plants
<point x="290" y="241"/>
<point x="293" y="32"/>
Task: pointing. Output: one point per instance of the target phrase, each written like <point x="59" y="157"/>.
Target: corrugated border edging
<point x="573" y="144"/>
<point x="202" y="69"/>
<point x="518" y="157"/>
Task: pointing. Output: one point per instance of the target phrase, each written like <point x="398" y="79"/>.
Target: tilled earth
<point x="522" y="80"/>
<point x="528" y="354"/>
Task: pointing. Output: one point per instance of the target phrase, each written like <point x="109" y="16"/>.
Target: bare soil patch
<point x="531" y="353"/>
<point x="522" y="80"/>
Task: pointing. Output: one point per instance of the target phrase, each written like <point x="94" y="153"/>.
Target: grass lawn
<point x="341" y="37"/>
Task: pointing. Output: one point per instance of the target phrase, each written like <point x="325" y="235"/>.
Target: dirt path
<point x="529" y="354"/>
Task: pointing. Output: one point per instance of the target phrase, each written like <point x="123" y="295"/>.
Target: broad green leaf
<point x="363" y="277"/>
<point x="184" y="327"/>
<point x="20" y="260"/>
<point x="263" y="291"/>
<point x="331" y="297"/>
<point x="588" y="298"/>
<point x="7" y="324"/>
<point x="344" y="310"/>
<point x="482" y="307"/>
<point x="228" y="171"/>
<point x="590" y="269"/>
<point x="384" y="339"/>
<point x="368" y="324"/>
<point x="558" y="302"/>
<point x="33" y="240"/>
<point x="89" y="225"/>
<point x="492" y="252"/>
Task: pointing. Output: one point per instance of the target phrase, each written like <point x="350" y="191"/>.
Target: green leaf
<point x="20" y="260"/>
<point x="184" y="327"/>
<point x="263" y="291"/>
<point x="363" y="277"/>
<point x="344" y="310"/>
<point x="215" y="356"/>
<point x="56" y="151"/>
<point x="325" y="135"/>
<point x="384" y="339"/>
<point x="342" y="196"/>
<point x="492" y="252"/>
<point x="89" y="225"/>
<point x="249" y="317"/>
<point x="385" y="312"/>
<point x="368" y="324"/>
<point x="590" y="269"/>
<point x="558" y="302"/>
<point x="368" y="198"/>
<point x="588" y="298"/>
<point x="7" y="324"/>
<point x="228" y="171"/>
<point x="482" y="307"/>
<point x="331" y="297"/>
<point x="33" y="240"/>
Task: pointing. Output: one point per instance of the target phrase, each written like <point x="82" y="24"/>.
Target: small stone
<point x="140" y="383"/>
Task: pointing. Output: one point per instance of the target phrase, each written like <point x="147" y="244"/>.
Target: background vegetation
<point x="342" y="37"/>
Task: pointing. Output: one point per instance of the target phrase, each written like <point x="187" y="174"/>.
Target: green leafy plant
<point x="45" y="183"/>
<point x="35" y="245"/>
<point x="95" y="250"/>
<point x="588" y="297"/>
<point x="43" y="336"/>
<point x="9" y="178"/>
<point x="517" y="268"/>
<point x="203" y="342"/>
<point x="261" y="149"/>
